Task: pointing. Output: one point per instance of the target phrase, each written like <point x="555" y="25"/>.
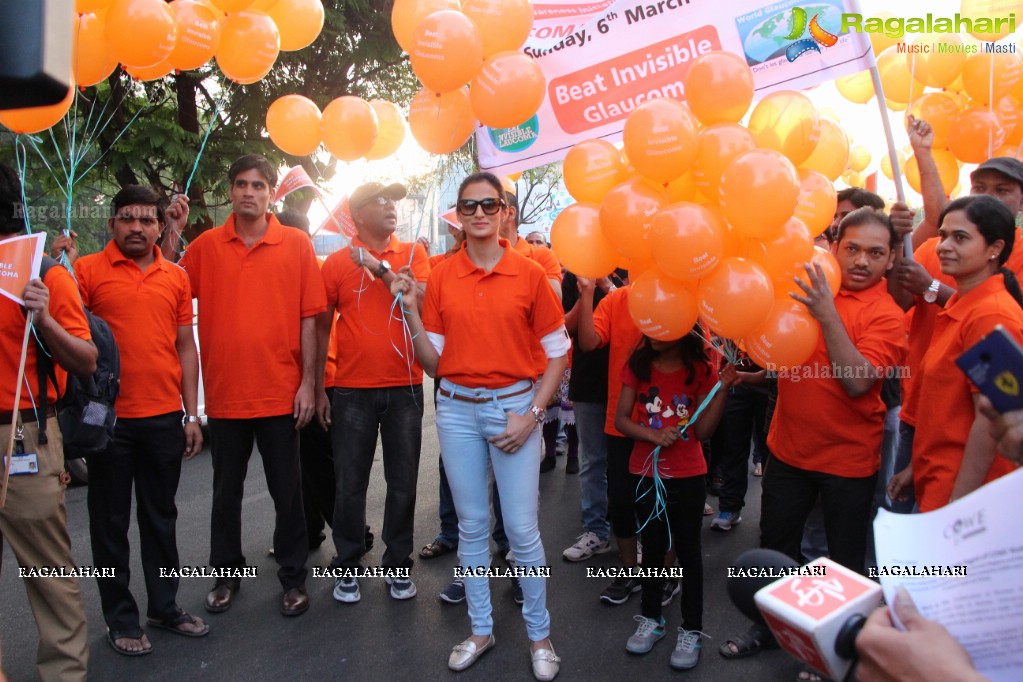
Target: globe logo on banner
<point x="518" y="138"/>
<point x="818" y="36"/>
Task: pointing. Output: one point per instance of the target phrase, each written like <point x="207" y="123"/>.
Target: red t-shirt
<point x="668" y="400"/>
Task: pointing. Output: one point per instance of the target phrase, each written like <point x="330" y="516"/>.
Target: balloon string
<point x="651" y="470"/>
<point x="209" y="129"/>
<point x="21" y="161"/>
<point x="912" y="82"/>
<point x="118" y="137"/>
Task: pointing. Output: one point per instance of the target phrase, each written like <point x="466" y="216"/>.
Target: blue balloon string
<point x="206" y="137"/>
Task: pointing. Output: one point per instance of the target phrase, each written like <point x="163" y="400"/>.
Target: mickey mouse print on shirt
<point x="658" y="412"/>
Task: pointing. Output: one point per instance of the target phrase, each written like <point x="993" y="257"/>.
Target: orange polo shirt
<point x="817" y="426"/>
<point x="144" y="311"/>
<point x="614" y="325"/>
<point x="66" y="308"/>
<point x="946" y="409"/>
<point x="372" y="346"/>
<point x="437" y="260"/>
<point x="1015" y="262"/>
<point x="487" y="318"/>
<point x="922" y="317"/>
<point x="544" y="257"/>
<point x="251" y="303"/>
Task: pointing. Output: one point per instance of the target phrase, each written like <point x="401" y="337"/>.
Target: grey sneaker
<point x="687" y="650"/>
<point x="346" y="590"/>
<point x="619" y="591"/>
<point x="401" y="588"/>
<point x="588" y="544"/>
<point x="454" y="593"/>
<point x="646" y="635"/>
<point x="671" y="588"/>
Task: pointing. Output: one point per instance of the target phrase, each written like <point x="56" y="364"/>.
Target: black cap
<point x="1006" y="165"/>
<point x="364" y="193"/>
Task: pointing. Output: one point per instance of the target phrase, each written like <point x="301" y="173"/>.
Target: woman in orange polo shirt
<point x="479" y="306"/>
<point x="953" y="450"/>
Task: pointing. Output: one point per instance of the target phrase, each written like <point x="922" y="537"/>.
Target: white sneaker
<point x="586" y="546"/>
<point x="401" y="588"/>
<point x="346" y="590"/>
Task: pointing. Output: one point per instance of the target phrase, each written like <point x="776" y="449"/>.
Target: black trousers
<point x="278" y="446"/>
<point x="789" y="494"/>
<point x="396" y="413"/>
<point x="317" y="458"/>
<point x="684" y="498"/>
<point x="744" y="418"/>
<point x="621" y="488"/>
<point x="145" y="453"/>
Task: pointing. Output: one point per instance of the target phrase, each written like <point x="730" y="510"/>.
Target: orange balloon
<point x="977" y="133"/>
<point x="348" y="127"/>
<point x="232" y="6"/>
<point x="948" y="170"/>
<point x="93" y="62"/>
<point x="886" y="164"/>
<point x="293" y="122"/>
<point x="718" y="145"/>
<point x="817" y="201"/>
<point x="990" y="77"/>
<point x="719" y="87"/>
<point x="662" y="308"/>
<point x="660" y="137"/>
<point x="992" y="10"/>
<point x="580" y="243"/>
<point x="249" y="45"/>
<point x="735" y="298"/>
<point x="942" y="64"/>
<point x="441" y="123"/>
<point x="1007" y="111"/>
<point x="937" y="108"/>
<point x="784" y="255"/>
<point x="683" y="188"/>
<point x="759" y="192"/>
<point x="299" y="22"/>
<point x="503" y="24"/>
<point x="859" y="158"/>
<point x="447" y="51"/>
<point x="832" y="272"/>
<point x="732" y="243"/>
<point x="390" y="129"/>
<point x="831" y="155"/>
<point x="198" y="34"/>
<point x="687" y="240"/>
<point x="90" y="6"/>
<point x="896" y="79"/>
<point x="787" y="338"/>
<point x="37" y="119"/>
<point x="858" y="88"/>
<point x="508" y="89"/>
<point x="150" y="73"/>
<point x="407" y="14"/>
<point x="591" y="168"/>
<point x="854" y="178"/>
<point x="786" y="122"/>
<point x="626" y="214"/>
<point x="140" y="32"/>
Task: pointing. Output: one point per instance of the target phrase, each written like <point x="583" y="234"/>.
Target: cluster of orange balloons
<point x="349" y="127"/>
<point x="468" y="60"/>
<point x="713" y="219"/>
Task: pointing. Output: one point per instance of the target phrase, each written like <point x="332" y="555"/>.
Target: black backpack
<point x="85" y="413"/>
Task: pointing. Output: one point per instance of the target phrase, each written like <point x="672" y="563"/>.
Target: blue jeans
<point x="463" y="429"/>
<point x="448" y="534"/>
<point x="903" y="458"/>
<point x="396" y="413"/>
<point x="589" y="425"/>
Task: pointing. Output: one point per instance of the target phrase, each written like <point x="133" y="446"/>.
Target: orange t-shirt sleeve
<point x="330" y="275"/>
<point x="549" y="262"/>
<point x="185" y="300"/>
<point x="65" y="303"/>
<point x="314" y="297"/>
<point x="432" y="321"/>
<point x="884" y="343"/>
<point x="548" y="315"/>
<point x="191" y="263"/>
<point x="602" y="320"/>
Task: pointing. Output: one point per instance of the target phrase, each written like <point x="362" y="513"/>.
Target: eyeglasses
<point x="490" y="206"/>
<point x="378" y="200"/>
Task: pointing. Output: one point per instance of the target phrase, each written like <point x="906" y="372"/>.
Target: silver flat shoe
<point x="545" y="664"/>
<point x="466" y="653"/>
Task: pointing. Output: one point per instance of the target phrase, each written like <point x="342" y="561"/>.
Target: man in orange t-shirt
<point x="147" y="301"/>
<point x="378" y="386"/>
<point x="259" y="290"/>
<point x="34" y="519"/>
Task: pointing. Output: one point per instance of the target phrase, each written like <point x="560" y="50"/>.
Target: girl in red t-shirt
<point x="664" y="385"/>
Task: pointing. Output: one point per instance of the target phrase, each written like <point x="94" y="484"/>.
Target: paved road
<point x="379" y="638"/>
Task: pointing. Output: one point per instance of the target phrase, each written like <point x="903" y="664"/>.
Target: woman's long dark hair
<point x="693" y="352"/>
<point x="993" y="221"/>
<point x="488" y="178"/>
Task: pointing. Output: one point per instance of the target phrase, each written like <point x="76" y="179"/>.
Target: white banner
<point x="602" y="60"/>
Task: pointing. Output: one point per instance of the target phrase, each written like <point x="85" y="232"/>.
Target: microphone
<point x="814" y="611"/>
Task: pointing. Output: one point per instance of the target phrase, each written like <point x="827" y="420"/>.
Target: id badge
<point x="27" y="463"/>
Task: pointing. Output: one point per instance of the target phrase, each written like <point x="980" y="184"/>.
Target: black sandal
<point x="173" y="625"/>
<point x="434" y="550"/>
<point x="756" y="639"/>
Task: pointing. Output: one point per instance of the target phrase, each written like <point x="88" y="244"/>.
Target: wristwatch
<point x="189" y="419"/>
<point x="931" y="295"/>
<point x="539" y="414"/>
<point x="384" y="268"/>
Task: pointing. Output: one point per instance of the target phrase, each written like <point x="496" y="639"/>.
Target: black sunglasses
<point x="490" y="206"/>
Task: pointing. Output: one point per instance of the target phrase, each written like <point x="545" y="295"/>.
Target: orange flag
<point x="340" y="216"/>
<point x="20" y="258"/>
<point x="296" y="178"/>
<point x="450" y="216"/>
